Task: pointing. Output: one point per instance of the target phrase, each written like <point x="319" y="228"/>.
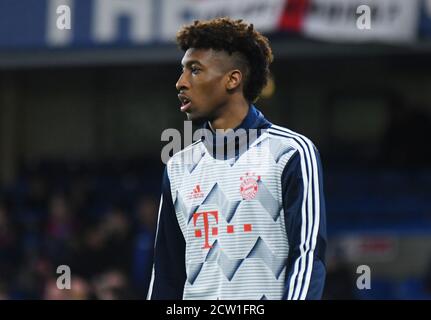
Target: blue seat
<point x="381" y="289"/>
<point x="412" y="289"/>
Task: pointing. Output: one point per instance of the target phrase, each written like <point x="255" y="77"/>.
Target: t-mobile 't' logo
<point x="246" y="227"/>
<point x="198" y="232"/>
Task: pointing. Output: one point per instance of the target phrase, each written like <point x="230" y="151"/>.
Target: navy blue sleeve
<point x="169" y="274"/>
<point x="305" y="217"/>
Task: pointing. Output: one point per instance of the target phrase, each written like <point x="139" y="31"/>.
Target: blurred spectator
<point x="340" y="281"/>
<point x="52" y="292"/>
<point x="60" y="229"/>
<point x="31" y="278"/>
<point x="112" y="285"/>
<point x="80" y="289"/>
<point x="60" y="221"/>
<point x="107" y="244"/>
<point x="117" y="234"/>
<point x="31" y="211"/>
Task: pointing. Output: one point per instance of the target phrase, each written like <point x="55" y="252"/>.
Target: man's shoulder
<point x="290" y="137"/>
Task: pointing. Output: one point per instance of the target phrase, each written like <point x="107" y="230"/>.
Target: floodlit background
<point x="82" y="111"/>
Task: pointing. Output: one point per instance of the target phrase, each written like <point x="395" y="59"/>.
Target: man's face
<point x="202" y="84"/>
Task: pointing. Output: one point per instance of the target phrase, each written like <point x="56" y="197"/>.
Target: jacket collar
<point x="253" y="120"/>
<point x="227" y="145"/>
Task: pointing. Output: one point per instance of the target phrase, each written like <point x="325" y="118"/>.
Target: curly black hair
<point x="252" y="50"/>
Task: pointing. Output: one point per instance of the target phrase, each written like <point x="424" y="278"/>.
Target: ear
<point x="234" y="79"/>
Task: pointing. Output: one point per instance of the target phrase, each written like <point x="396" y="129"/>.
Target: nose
<point x="182" y="83"/>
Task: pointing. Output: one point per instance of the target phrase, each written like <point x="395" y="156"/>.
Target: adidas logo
<point x="196" y="193"/>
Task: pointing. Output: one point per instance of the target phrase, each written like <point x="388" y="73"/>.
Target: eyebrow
<point x="190" y="62"/>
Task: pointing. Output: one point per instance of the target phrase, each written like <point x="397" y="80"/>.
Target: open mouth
<point x="185" y="102"/>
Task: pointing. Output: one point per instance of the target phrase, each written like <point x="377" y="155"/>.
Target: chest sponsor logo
<point x="210" y="221"/>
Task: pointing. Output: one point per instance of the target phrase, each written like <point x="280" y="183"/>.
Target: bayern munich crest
<point x="249" y="186"/>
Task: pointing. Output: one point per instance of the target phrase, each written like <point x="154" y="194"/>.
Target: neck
<point x="231" y="115"/>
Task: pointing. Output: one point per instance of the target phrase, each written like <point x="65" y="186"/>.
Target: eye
<point x="195" y="70"/>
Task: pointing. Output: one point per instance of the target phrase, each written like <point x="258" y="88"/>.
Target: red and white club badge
<point x="249" y="186"/>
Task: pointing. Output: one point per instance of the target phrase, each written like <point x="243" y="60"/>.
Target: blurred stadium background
<point x="82" y="111"/>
